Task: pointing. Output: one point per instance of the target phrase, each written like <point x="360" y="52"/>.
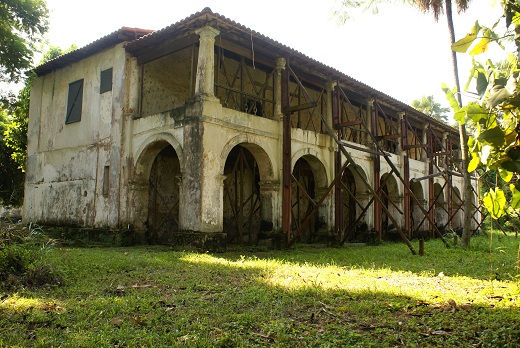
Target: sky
<point x="399" y="51"/>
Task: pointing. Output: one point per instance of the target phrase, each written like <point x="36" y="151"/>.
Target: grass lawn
<point x="309" y="296"/>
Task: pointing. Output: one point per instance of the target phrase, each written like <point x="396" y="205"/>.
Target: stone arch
<point x="391" y="200"/>
<point x="441" y="215"/>
<point x="353" y="190"/>
<point x="456" y="206"/>
<point x="308" y="185"/>
<point x="265" y="165"/>
<point x="318" y="168"/>
<point x="149" y="149"/>
<point x="417" y="216"/>
<point x="248" y="192"/>
<point x="147" y="175"/>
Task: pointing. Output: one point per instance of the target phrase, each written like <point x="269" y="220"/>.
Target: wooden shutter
<point x="75" y="102"/>
<point x="106" y="81"/>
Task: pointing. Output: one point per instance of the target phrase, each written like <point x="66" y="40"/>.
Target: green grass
<point x="372" y="296"/>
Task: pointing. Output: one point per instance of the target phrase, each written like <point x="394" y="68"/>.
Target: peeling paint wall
<point x="150" y="142"/>
<point x="66" y="166"/>
<point x="167" y="82"/>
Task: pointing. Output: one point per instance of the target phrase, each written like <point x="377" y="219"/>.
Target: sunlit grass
<point x="379" y="296"/>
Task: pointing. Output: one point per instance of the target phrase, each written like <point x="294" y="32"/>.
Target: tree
<point x="430" y="107"/>
<point x="11" y="185"/>
<point x="14" y="113"/>
<point x="22" y="24"/>
<point x="495" y="143"/>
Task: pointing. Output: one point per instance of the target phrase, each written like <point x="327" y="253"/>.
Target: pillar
<point x="205" y="79"/>
<point x="269" y="205"/>
<point x="280" y="65"/>
<point x="325" y="209"/>
<point x="406" y="175"/>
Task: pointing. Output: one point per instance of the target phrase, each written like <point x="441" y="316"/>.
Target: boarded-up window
<point x="106" y="81"/>
<point x="75" y="102"/>
<point x="106" y="180"/>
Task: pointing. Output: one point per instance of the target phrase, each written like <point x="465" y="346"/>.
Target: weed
<point x="23" y="253"/>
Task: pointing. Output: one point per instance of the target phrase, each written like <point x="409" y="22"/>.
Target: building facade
<point x="208" y="128"/>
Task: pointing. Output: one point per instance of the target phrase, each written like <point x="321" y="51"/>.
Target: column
<point x="280" y="65"/>
<point x="269" y="204"/>
<point x="205" y="79"/>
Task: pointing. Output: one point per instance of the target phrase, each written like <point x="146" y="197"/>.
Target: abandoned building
<point x="209" y="131"/>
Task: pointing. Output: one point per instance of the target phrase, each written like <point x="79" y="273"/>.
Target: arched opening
<point x="242" y="205"/>
<point x="348" y="198"/>
<point x="390" y="195"/>
<point x="440" y="206"/>
<point x="163" y="196"/>
<point x="309" y="180"/>
<point x="456" y="206"/>
<point x="354" y="199"/>
<point x="417" y="220"/>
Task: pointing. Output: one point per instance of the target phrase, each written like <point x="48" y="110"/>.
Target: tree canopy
<point x="430" y="107"/>
<point x="14" y="116"/>
<point x="22" y="24"/>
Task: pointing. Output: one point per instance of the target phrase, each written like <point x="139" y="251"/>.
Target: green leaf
<point x="494" y="136"/>
<point x="494" y="201"/>
<point x="512" y="163"/>
<point x="505" y="174"/>
<point x="476" y="112"/>
<point x="454" y="104"/>
<point x="463" y="44"/>
<point x="475" y="161"/>
<point x="515" y="199"/>
<point x="460" y="116"/>
<point x="482" y="84"/>
<point x="481" y="47"/>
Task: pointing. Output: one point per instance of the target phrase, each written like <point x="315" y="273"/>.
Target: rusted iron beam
<point x="300" y="107"/>
<point x="350" y="123"/>
<point x="359" y="148"/>
<point x="415" y="146"/>
<point x="318" y="204"/>
<point x="286" y="157"/>
<point x="351" y="160"/>
<point x="338" y="199"/>
<point x="427" y="177"/>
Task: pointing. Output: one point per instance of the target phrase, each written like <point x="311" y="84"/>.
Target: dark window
<point x="106" y="81"/>
<point x="75" y="102"/>
<point x="106" y="180"/>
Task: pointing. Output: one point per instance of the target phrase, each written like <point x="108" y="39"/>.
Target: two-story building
<point x="207" y="130"/>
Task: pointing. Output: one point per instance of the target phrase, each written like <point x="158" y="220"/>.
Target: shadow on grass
<point x="147" y="297"/>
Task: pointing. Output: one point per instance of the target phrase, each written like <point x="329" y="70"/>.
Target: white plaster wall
<point x="66" y="161"/>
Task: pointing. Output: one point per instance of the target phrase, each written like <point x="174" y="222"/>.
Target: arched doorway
<point x="456" y="206"/>
<point x="389" y="195"/>
<point x="354" y="199"/>
<point x="440" y="208"/>
<point x="241" y="210"/>
<point x="417" y="219"/>
<point x="309" y="180"/>
<point x="348" y="200"/>
<point x="163" y="196"/>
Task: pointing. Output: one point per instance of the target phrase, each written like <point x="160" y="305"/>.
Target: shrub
<point x="23" y="257"/>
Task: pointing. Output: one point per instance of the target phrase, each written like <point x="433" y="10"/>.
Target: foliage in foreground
<point x="495" y="116"/>
<point x="23" y="257"/>
<point x="306" y="297"/>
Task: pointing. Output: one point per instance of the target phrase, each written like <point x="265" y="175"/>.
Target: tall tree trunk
<point x="468" y="191"/>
